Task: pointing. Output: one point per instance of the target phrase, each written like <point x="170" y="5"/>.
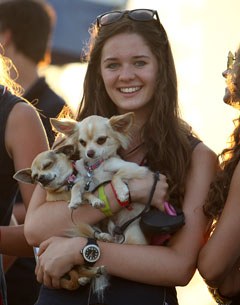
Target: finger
<point x="56" y="283"/>
<point x="47" y="280"/>
<point x="43" y="246"/>
<point x="39" y="274"/>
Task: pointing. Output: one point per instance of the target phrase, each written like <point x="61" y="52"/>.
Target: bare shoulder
<point x="26" y="121"/>
<point x="235" y="182"/>
<point x="237" y="169"/>
<point x="24" y="111"/>
<point x="24" y="117"/>
<point x="202" y="171"/>
<point x="203" y="154"/>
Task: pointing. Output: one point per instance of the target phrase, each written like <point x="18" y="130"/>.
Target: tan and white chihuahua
<point x="53" y="170"/>
<point x="99" y="139"/>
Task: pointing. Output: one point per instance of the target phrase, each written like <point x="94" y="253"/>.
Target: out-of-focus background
<point x="201" y="34"/>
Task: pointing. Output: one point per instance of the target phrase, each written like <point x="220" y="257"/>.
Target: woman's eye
<point x="140" y="63"/>
<point x="113" y="66"/>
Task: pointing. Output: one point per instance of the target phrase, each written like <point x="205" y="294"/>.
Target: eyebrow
<point x="134" y="57"/>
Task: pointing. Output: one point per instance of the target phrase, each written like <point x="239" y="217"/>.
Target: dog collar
<point x="89" y="178"/>
<point x="91" y="167"/>
<point x="71" y="179"/>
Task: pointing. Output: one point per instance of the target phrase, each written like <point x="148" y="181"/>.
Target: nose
<point x="225" y="73"/>
<point x="127" y="73"/>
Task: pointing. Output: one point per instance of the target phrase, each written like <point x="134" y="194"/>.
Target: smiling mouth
<point x="129" y="89"/>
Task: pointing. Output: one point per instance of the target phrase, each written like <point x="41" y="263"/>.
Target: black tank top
<point x="8" y="186"/>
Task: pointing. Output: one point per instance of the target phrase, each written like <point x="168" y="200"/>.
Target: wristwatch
<point x="91" y="252"/>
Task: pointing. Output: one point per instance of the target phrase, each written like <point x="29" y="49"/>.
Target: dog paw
<point x="97" y="203"/>
<point x="73" y="205"/>
<point x="105" y="237"/>
<point x="122" y="192"/>
<point x="84" y="280"/>
<point x="101" y="270"/>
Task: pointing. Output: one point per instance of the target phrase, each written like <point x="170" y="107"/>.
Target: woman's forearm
<point x="55" y="218"/>
<point x="46" y="219"/>
<point x="13" y="241"/>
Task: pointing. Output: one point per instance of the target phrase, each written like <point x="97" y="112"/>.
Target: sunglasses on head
<point x="136" y="15"/>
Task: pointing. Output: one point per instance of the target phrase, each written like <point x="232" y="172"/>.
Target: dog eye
<point x="82" y="142"/>
<point x="101" y="140"/>
<point x="47" y="165"/>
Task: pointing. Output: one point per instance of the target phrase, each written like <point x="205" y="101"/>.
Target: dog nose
<point x="42" y="179"/>
<point x="91" y="153"/>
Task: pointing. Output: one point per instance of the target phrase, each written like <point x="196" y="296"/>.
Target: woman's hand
<point x="57" y="256"/>
<point x="140" y="190"/>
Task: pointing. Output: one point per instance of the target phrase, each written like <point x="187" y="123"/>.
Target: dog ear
<point x="65" y="126"/>
<point x="67" y="150"/>
<point x="24" y="175"/>
<point x="122" y="123"/>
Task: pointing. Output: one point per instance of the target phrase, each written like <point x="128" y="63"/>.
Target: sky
<point x="201" y="33"/>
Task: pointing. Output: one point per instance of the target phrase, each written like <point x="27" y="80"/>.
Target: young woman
<point x="22" y="138"/>
<point x="131" y="69"/>
<point x="223" y="205"/>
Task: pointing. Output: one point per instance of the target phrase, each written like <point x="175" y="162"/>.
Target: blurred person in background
<point x="22" y="138"/>
<point x="219" y="259"/>
<point x="25" y="33"/>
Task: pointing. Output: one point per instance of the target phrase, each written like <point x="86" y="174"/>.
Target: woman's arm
<point x="230" y="286"/>
<point x="25" y="138"/>
<point x="158" y="265"/>
<point x="219" y="255"/>
<point x="37" y="231"/>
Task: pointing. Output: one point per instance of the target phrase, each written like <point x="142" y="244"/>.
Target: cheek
<point x="108" y="79"/>
<point x="109" y="82"/>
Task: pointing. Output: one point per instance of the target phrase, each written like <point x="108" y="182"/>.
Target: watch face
<point x="91" y="253"/>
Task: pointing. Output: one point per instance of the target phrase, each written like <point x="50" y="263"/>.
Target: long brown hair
<point x="165" y="134"/>
<point x="219" y="189"/>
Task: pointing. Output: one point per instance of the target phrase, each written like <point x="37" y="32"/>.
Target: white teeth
<point x="129" y="90"/>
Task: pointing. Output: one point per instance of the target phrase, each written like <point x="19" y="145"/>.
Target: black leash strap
<point x="119" y="230"/>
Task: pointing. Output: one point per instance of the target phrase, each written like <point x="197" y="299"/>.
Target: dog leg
<point x="76" y="196"/>
<point x="103" y="236"/>
<point x="70" y="280"/>
<point x="80" y="275"/>
<point x="87" y="273"/>
<point x="93" y="200"/>
<point x="121" y="188"/>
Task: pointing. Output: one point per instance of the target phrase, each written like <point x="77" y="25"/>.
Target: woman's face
<point x="129" y="71"/>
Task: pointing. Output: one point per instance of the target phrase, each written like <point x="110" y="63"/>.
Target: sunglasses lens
<point x="138" y="15"/>
<point x="142" y="15"/>
<point x="110" y="18"/>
